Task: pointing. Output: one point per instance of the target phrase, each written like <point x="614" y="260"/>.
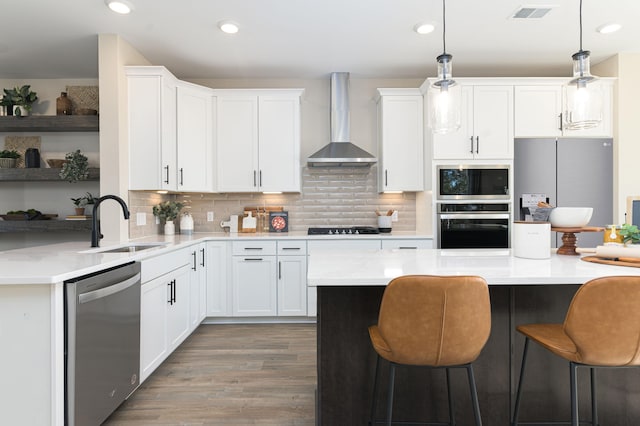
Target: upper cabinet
<point x="400" y="140"/>
<point x="171" y="145"/>
<point x="486" y="130"/>
<point x="539" y="109"/>
<point x="258" y="140"/>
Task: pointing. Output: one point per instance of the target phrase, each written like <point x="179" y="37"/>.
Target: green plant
<point x="76" y="168"/>
<point x="84" y="200"/>
<point x="168" y="210"/>
<point x="10" y="154"/>
<point x="630" y="233"/>
<point x="22" y="97"/>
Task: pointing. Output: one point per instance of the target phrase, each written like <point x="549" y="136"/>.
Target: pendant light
<point x="583" y="93"/>
<point x="444" y="94"/>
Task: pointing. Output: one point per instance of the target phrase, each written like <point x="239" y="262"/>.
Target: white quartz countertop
<point x="498" y="267"/>
<point x="54" y="263"/>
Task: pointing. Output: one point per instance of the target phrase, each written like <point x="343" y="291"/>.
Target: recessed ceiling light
<point x="608" y="28"/>
<point x="423" y="28"/>
<point x="120" y="6"/>
<point x="228" y="27"/>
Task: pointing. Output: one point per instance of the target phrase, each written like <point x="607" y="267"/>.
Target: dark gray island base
<point x="346" y="363"/>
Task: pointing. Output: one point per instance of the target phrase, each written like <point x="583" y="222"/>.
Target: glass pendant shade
<point x="445" y="97"/>
<point x="583" y="96"/>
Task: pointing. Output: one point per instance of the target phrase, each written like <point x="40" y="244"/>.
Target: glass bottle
<point x="63" y="104"/>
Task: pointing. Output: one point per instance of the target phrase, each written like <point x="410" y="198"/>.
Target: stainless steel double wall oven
<point x="473" y="206"/>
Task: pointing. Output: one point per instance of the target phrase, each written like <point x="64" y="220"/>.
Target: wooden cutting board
<point x="634" y="263"/>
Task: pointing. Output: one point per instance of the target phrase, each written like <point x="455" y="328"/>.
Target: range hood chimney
<point x="340" y="152"/>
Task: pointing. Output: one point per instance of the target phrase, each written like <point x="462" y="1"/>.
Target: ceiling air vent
<point x="531" y="12"/>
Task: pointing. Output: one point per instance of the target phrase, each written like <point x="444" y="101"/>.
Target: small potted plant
<point x="630" y="234"/>
<point x="168" y="211"/>
<point x="22" y="99"/>
<point x="76" y="167"/>
<point x="81" y="202"/>
<point x="8" y="158"/>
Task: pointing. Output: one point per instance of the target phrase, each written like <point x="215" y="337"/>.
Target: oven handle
<point x="474" y="216"/>
<point x="108" y="291"/>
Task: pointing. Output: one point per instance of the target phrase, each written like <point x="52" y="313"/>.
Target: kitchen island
<point x="350" y="285"/>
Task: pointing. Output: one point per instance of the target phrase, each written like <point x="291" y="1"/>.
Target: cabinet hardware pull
<point x="560" y="123"/>
<point x="386" y="180"/>
<point x="170" y="284"/>
<point x="408" y="248"/>
<point x="279" y="270"/>
<point x="260" y="178"/>
<point x="290" y="248"/>
<point x="174" y="291"/>
<point x="167" y="168"/>
<point x="253" y="248"/>
<point x="194" y="260"/>
<point x="253" y="259"/>
<point x="471" y="138"/>
<point x="202" y="264"/>
<point x="181" y="177"/>
<point x="477" y="144"/>
<point x="254" y="178"/>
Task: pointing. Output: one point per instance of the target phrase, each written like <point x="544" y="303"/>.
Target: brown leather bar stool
<point x="601" y="329"/>
<point x="432" y="321"/>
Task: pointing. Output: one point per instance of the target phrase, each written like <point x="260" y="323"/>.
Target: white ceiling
<point x="311" y="38"/>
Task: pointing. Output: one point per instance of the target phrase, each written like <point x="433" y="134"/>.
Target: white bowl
<point x="570" y="217"/>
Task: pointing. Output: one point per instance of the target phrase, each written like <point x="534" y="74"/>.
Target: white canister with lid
<point x="532" y="240"/>
<point x="186" y="224"/>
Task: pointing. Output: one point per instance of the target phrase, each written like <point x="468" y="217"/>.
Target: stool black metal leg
<point x="374" y="398"/>
<point x="574" y="393"/>
<point x="452" y="416"/>
<point x="392" y="378"/>
<point x="474" y="395"/>
<point x="514" y="421"/>
<point x="594" y="398"/>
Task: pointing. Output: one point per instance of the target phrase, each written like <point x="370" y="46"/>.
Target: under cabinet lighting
<point x="272" y="192"/>
<point x="122" y="7"/>
<point x="162" y="192"/>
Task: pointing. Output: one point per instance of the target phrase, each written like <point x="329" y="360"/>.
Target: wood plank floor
<point x="228" y="374"/>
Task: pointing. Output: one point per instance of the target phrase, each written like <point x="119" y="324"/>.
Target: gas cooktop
<point x="354" y="230"/>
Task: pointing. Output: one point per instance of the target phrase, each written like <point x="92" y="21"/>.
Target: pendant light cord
<point x="444" y="28"/>
<point x="580" y="25"/>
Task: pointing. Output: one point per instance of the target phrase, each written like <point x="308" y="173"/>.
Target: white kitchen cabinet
<point x="539" y="109"/>
<point x="219" y="292"/>
<point x="152" y="128"/>
<point x="258" y="140"/>
<point x="486" y="131"/>
<point x="254" y="278"/>
<point x="164" y="317"/>
<point x="195" y="144"/>
<point x="292" y="278"/>
<point x="171" y="141"/>
<point x="400" y="140"/>
<point x="197" y="285"/>
<point x="407" y="244"/>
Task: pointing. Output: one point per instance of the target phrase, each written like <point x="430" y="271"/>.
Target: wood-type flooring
<point x="228" y="374"/>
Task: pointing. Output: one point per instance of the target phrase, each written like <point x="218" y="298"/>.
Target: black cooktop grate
<point x="339" y="230"/>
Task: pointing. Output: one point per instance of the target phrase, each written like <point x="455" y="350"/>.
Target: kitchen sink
<point x="126" y="248"/>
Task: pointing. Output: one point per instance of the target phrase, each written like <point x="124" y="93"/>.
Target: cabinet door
<point x="152" y="132"/>
<point x="195" y="139"/>
<point x="401" y="144"/>
<point x="292" y="285"/>
<point x="237" y="143"/>
<point x="254" y="286"/>
<point x="197" y="285"/>
<point x="218" y="293"/>
<point x="457" y="145"/>
<point x="537" y="111"/>
<point x="153" y="323"/>
<point x="178" y="308"/>
<point x="279" y="143"/>
<point x="493" y="122"/>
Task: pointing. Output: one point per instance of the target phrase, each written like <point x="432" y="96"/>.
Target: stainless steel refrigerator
<point x="573" y="172"/>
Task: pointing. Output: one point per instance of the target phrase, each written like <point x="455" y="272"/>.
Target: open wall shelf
<point x="50" y="123"/>
<point x="35" y="175"/>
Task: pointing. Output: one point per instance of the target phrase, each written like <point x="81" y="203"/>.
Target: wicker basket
<point x="8" y="163"/>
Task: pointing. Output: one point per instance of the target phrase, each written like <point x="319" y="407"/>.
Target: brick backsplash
<point x="329" y="197"/>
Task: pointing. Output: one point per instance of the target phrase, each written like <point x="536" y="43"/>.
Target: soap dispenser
<point x="186" y="224"/>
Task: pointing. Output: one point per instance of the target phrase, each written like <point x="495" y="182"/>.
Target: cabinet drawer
<point x="407" y="244"/>
<point x="254" y="248"/>
<point x="154" y="267"/>
<point x="292" y="248"/>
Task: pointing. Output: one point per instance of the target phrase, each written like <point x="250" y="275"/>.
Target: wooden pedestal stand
<point x="569" y="238"/>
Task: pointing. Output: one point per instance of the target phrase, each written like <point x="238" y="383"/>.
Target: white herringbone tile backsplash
<point x="329" y="197"/>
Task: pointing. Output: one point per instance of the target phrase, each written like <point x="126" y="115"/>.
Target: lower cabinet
<point x="254" y="278"/>
<point x="164" y="317"/>
<point x="292" y="278"/>
<point x="218" y="288"/>
<point x="197" y="285"/>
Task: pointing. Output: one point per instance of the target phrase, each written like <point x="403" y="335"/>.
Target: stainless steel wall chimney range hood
<point x="340" y="152"/>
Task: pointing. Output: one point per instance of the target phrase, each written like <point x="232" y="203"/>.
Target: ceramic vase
<point x="169" y="228"/>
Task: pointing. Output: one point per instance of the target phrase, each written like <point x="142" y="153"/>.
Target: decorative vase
<point x="63" y="104"/>
<point x="79" y="211"/>
<point x="169" y="228"/>
<point x="186" y="224"/>
<point x="20" y="111"/>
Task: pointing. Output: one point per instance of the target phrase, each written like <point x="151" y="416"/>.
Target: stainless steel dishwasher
<point x="102" y="343"/>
